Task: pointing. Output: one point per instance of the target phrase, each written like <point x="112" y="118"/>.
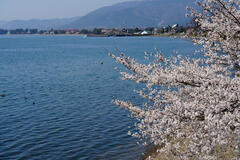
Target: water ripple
<point x="58" y="105"/>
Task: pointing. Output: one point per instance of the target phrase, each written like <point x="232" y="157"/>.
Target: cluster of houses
<point x="102" y="31"/>
<point x="138" y="31"/>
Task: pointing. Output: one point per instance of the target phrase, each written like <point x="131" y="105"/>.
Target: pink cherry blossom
<point x="194" y="99"/>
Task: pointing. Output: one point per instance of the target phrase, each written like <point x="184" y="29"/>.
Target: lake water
<point x="57" y="103"/>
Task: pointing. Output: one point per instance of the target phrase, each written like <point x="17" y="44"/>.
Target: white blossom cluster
<point x="193" y="102"/>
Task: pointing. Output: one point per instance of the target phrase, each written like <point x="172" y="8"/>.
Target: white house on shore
<point x="175" y="26"/>
<point x="146" y="33"/>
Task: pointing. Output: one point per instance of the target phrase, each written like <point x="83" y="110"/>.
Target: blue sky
<point x="46" y="9"/>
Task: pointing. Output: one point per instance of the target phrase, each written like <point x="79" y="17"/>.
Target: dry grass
<point x="220" y="152"/>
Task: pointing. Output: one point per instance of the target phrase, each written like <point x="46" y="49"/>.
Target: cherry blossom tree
<point x="193" y="105"/>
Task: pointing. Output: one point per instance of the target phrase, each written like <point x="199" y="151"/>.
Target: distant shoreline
<point x="174" y="30"/>
<point x="93" y="35"/>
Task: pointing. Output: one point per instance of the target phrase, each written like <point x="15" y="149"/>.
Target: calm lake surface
<point x="57" y="103"/>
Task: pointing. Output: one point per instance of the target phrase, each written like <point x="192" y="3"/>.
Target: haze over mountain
<point x="145" y="13"/>
<point x="36" y="23"/>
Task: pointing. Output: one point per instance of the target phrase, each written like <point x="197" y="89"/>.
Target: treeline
<point x="103" y="32"/>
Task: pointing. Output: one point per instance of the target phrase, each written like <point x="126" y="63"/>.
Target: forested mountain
<point x="136" y="14"/>
<point x="143" y="13"/>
